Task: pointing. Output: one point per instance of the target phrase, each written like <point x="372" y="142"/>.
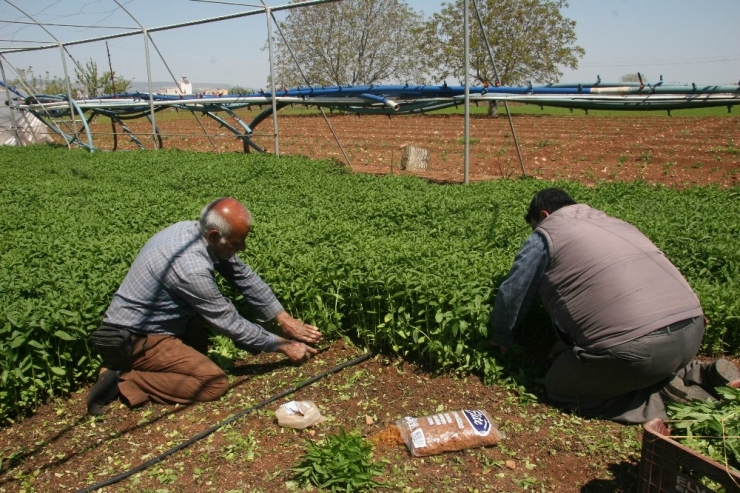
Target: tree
<point x="88" y="80"/>
<point x="240" y="90"/>
<point x="349" y="42"/>
<point x="529" y="40"/>
<point x="115" y="84"/>
<point x="54" y="85"/>
<point x="28" y="82"/>
<point x="91" y="84"/>
<point x="633" y="77"/>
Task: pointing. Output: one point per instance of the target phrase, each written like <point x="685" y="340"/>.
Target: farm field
<point x="682" y="150"/>
<point x="545" y="450"/>
<point x="418" y="257"/>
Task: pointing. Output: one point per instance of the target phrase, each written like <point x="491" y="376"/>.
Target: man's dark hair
<point x="550" y="200"/>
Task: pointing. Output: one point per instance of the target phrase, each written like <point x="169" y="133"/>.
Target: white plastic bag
<point x="298" y="414"/>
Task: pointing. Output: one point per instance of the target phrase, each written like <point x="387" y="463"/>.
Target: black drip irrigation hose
<point x="212" y="429"/>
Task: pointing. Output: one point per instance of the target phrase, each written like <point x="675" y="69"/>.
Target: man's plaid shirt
<point x="173" y="280"/>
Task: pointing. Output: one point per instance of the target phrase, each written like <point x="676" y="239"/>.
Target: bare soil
<point x="59" y="448"/>
<point x="677" y="151"/>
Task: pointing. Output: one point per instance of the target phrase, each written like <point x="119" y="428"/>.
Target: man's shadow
<point x="624" y="480"/>
<point x="526" y="363"/>
<point x="258" y="368"/>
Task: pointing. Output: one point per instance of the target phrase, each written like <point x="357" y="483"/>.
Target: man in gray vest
<point x="628" y="323"/>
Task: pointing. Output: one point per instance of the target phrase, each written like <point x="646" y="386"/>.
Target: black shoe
<point x="722" y="372"/>
<point x="677" y="391"/>
<point x="102" y="393"/>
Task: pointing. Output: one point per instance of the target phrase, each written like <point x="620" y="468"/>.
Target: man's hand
<point x="297" y="352"/>
<point x="296" y="329"/>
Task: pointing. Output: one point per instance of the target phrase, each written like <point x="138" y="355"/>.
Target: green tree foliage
<point x="115" y="84"/>
<point x="633" y="77"/>
<point x="88" y="79"/>
<point x="30" y="83"/>
<point x="91" y="83"/>
<point x="349" y="42"/>
<point x="240" y="90"/>
<point x="529" y="40"/>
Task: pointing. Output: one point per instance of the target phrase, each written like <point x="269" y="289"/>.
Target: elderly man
<point x="168" y="299"/>
<point x="629" y="325"/>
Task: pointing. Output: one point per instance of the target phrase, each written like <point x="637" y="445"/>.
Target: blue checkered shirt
<point x="517" y="293"/>
<point x="173" y="280"/>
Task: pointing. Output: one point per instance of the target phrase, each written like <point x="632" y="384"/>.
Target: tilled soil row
<point x="676" y="151"/>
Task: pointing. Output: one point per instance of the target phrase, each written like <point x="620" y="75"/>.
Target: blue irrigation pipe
<point x="77" y="108"/>
<point x="410" y="92"/>
<point x="380" y="99"/>
<point x="391" y="100"/>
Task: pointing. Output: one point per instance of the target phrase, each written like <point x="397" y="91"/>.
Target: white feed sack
<point x="448" y="432"/>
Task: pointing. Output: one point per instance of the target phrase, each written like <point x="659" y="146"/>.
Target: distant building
<point x="183" y="87"/>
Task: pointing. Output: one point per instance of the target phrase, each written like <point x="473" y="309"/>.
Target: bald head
<point x="224" y="215"/>
<point x="225" y="223"/>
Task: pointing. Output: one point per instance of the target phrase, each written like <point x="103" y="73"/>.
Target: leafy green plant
<point x="730" y="148"/>
<point x="711" y="428"/>
<point x="395" y="263"/>
<point x="239" y="446"/>
<point x="164" y="475"/>
<point x="342" y="462"/>
<point x="224" y="352"/>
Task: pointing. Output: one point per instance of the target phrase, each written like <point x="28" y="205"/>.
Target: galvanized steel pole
<point x="466" y="34"/>
<point x="272" y="78"/>
<point x="495" y="74"/>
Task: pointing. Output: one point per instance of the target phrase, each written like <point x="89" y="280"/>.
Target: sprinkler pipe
<point x="228" y="421"/>
<point x="356" y="94"/>
<point x="380" y="99"/>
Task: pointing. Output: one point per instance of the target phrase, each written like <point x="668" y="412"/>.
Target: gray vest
<point x="606" y="283"/>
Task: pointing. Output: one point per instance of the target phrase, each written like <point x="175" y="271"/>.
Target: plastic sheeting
<point x="30" y="129"/>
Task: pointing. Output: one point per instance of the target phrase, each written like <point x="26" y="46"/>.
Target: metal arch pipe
<point x="380" y="99"/>
<point x="53" y="127"/>
<point x="84" y="124"/>
<point x="156" y="136"/>
<point x="265" y="114"/>
<point x="384" y="100"/>
<point x="233" y="115"/>
<point x="135" y="32"/>
<point x="243" y="136"/>
<point x="275" y="128"/>
<point x="126" y="130"/>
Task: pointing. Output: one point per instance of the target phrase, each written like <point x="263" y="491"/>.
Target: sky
<point x="683" y="41"/>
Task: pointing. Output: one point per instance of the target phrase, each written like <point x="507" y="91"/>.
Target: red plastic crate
<point x="665" y="465"/>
